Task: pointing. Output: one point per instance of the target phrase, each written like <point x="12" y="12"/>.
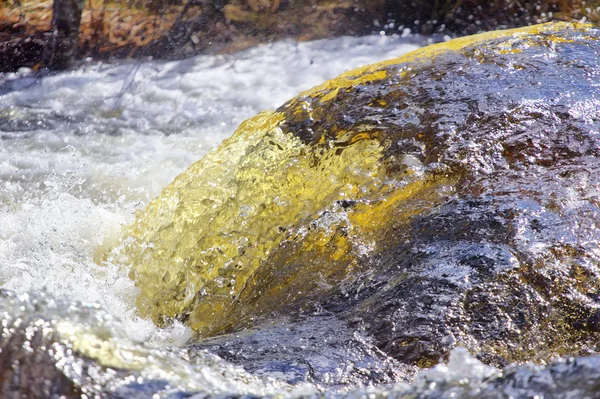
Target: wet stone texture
<point x="305" y="350"/>
<point x="55" y="349"/>
<point x="364" y="229"/>
<point x="507" y="265"/>
<point x="448" y="197"/>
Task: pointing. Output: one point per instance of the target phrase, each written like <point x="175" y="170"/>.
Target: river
<point x="82" y="151"/>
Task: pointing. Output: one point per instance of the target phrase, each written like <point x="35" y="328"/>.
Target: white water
<point x="81" y="151"/>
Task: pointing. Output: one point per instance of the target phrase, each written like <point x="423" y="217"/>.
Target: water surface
<point x="81" y="151"/>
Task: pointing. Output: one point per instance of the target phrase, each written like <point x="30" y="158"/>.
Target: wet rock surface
<point x="506" y="264"/>
<point x="319" y="349"/>
<point x="56" y="349"/>
<point x="364" y="229"/>
<point x="450" y="197"/>
<point x="53" y="349"/>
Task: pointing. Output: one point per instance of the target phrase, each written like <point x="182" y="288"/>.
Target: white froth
<point x="461" y="368"/>
<point x="81" y="151"/>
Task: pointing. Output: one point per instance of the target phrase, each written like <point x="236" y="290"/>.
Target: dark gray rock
<point x="319" y="349"/>
<point x="505" y="263"/>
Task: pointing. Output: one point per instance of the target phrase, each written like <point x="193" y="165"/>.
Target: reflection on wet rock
<point x="465" y="377"/>
<point x="320" y="350"/>
<point x="447" y="197"/>
<point x="55" y="349"/>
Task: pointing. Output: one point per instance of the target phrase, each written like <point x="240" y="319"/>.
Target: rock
<point x="263" y="5"/>
<point x="307" y="350"/>
<point x="55" y="349"/>
<point x="51" y="348"/>
<point x="447" y="197"/>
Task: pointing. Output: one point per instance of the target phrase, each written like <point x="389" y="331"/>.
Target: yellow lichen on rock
<point x="195" y="246"/>
<point x="280" y="212"/>
<point x="376" y="72"/>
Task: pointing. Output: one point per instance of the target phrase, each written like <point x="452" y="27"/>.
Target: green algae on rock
<point x="446" y="197"/>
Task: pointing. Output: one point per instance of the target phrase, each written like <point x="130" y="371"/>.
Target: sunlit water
<point x="81" y="151"/>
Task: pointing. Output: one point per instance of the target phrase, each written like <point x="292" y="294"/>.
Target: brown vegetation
<point x="180" y="28"/>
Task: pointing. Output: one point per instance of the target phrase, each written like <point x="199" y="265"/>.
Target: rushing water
<point x="82" y="150"/>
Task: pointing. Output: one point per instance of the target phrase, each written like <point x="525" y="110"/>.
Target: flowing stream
<point x="81" y="151"/>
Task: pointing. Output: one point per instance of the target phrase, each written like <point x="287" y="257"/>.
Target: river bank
<point x="176" y="29"/>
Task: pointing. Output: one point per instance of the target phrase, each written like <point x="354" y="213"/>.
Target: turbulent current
<point x="81" y="151"/>
<point x="350" y="243"/>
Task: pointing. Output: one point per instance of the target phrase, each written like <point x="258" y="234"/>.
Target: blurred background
<point x="58" y="33"/>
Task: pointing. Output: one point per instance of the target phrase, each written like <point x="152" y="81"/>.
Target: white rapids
<point x="81" y="151"/>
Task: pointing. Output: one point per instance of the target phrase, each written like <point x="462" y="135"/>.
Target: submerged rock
<point x="447" y="197"/>
<point x="55" y="349"/>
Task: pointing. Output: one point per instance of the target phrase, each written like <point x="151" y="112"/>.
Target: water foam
<point x="82" y="150"/>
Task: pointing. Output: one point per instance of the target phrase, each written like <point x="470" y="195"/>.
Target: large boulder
<point x="447" y="197"/>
